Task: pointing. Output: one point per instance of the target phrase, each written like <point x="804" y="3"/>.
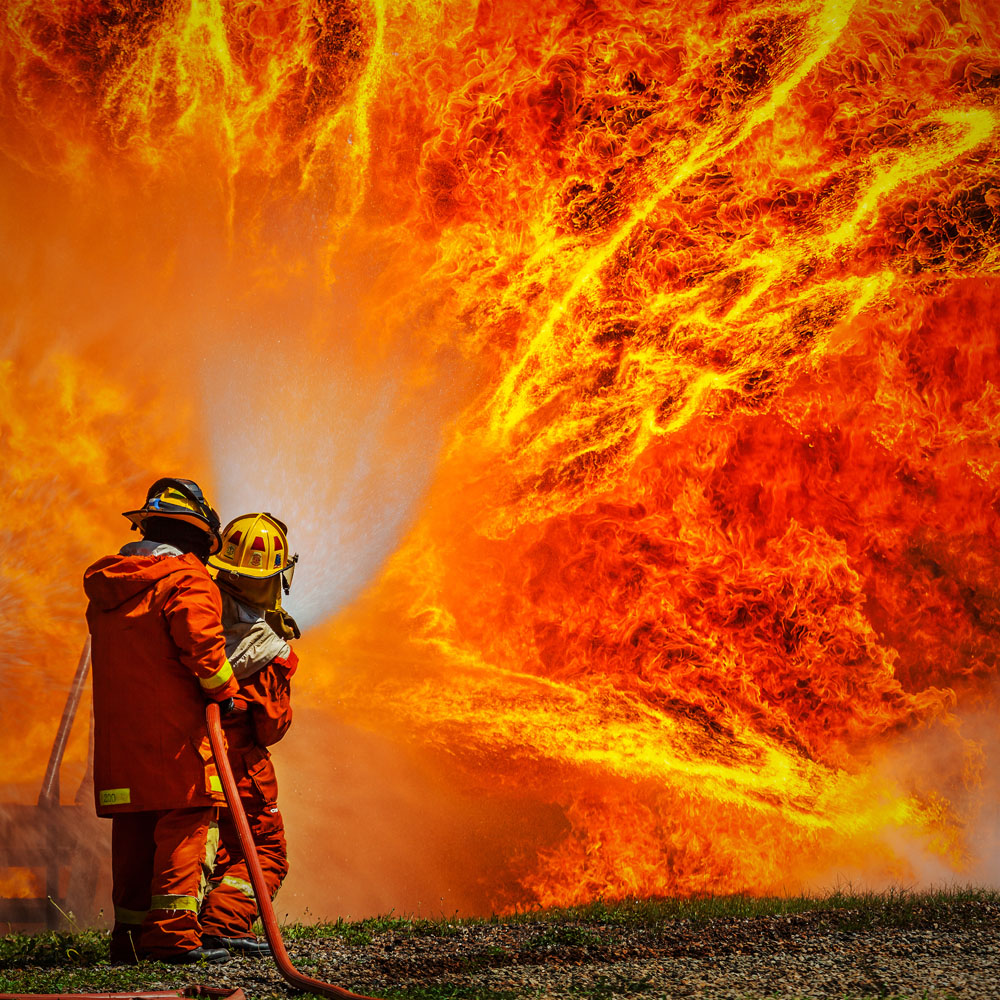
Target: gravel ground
<point x="806" y="955"/>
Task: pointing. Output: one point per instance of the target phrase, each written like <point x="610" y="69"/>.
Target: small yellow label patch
<point x="214" y="783"/>
<point x="115" y="796"/>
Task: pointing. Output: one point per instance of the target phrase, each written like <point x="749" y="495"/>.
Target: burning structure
<point x="626" y="371"/>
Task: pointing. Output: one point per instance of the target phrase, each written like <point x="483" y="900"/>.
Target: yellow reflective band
<point x="215" y="783"/>
<point x="237" y="883"/>
<point x="123" y="916"/>
<point x="174" y="903"/>
<point x="211" y="850"/>
<point x="176" y="499"/>
<point x="114" y="796"/>
<point x="220" y="677"/>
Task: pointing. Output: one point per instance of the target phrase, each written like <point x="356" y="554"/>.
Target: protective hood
<point x="251" y="644"/>
<point x="113" y="580"/>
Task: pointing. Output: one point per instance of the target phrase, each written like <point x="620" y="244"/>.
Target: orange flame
<point x="662" y="332"/>
<point x="21" y="883"/>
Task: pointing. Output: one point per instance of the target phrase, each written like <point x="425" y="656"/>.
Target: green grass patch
<point x="100" y="978"/>
<point x="50" y="948"/>
<point x="559" y="935"/>
<point x="362" y="932"/>
<point x="454" y="991"/>
<point x="847" y="908"/>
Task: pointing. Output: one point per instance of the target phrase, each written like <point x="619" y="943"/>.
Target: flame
<point x="21" y="883"/>
<point x="69" y="451"/>
<point x="628" y="371"/>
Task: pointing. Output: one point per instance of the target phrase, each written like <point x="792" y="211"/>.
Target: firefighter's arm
<point x="194" y="616"/>
<point x="271" y="705"/>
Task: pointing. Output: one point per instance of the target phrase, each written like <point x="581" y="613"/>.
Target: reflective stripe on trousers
<point x="238" y="883"/>
<point x="174" y="903"/>
<point x="160" y="866"/>
<point x="125" y="916"/>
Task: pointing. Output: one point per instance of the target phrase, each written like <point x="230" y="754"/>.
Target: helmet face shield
<point x="263" y="594"/>
<point x="288" y="572"/>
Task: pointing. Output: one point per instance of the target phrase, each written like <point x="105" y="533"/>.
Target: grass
<point x="847" y="908"/>
<point x="361" y="932"/>
<point x="52" y="948"/>
<point x="455" y="991"/>
<point x="101" y="978"/>
<point x="73" y="962"/>
<point x="559" y="935"/>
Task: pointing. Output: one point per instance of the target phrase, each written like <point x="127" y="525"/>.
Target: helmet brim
<point x="139" y="517"/>
<point x="250" y="574"/>
<point x="286" y="572"/>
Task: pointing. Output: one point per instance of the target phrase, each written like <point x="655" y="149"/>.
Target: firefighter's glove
<point x="282" y="623"/>
<point x="227" y="707"/>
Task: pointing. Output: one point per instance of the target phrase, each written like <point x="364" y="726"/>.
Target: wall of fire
<point x="627" y="374"/>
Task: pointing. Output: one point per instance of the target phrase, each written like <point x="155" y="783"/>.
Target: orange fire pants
<point x="230" y="907"/>
<point x="160" y="863"/>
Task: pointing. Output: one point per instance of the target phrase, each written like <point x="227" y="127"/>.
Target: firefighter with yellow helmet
<point x="253" y="568"/>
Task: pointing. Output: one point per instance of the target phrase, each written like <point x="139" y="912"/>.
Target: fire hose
<point x="271" y="930"/>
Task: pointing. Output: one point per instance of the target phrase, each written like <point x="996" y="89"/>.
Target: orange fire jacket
<point x="158" y="653"/>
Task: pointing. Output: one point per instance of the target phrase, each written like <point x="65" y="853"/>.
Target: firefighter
<point x="158" y="653"/>
<point x="252" y="569"/>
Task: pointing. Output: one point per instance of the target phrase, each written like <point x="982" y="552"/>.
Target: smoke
<point x="379" y="826"/>
<point x="953" y="768"/>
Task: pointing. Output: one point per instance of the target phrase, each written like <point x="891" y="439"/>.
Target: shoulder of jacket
<point x="189" y="573"/>
<point x="192" y="565"/>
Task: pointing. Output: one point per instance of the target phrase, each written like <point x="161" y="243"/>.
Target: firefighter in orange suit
<point x="158" y="654"/>
<point x="252" y="569"/>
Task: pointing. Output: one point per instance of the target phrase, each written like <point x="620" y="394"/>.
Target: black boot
<point x="214" y="956"/>
<point x="245" y="946"/>
<point x="125" y="948"/>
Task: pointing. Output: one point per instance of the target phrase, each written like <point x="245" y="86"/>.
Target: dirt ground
<point x="806" y="955"/>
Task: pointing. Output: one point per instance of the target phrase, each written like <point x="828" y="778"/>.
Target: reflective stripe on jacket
<point x="158" y="653"/>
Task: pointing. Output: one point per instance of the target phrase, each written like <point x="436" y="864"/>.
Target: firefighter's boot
<point x="248" y="946"/>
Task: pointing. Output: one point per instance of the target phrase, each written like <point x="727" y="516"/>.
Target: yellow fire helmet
<point x="255" y="546"/>
<point x="183" y="500"/>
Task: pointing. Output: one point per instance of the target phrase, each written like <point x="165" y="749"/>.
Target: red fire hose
<point x="271" y="930"/>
